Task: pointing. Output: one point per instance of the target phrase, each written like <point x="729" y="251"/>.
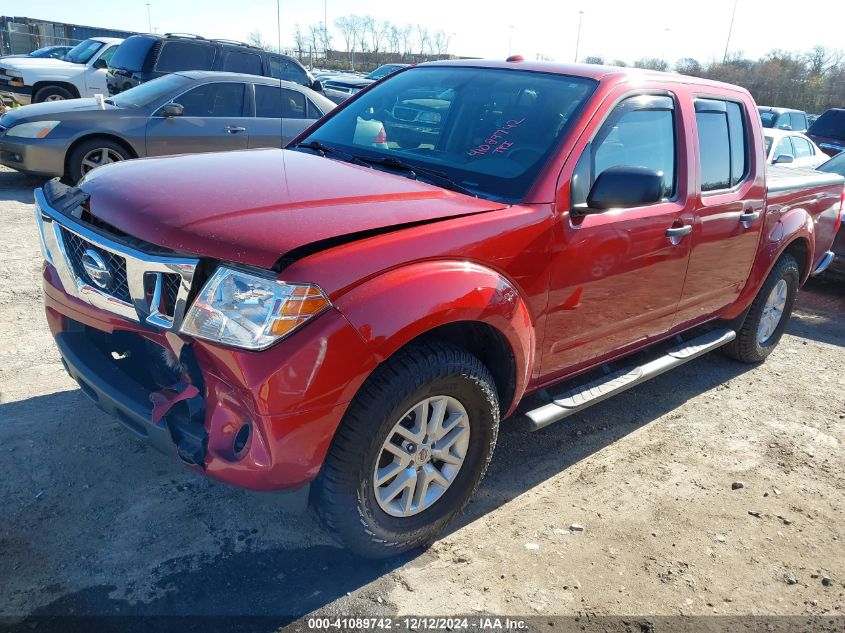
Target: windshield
<point x="47" y="51"/>
<point x="150" y="93"/>
<point x="487" y="130"/>
<point x="831" y="123"/>
<point x="82" y="52"/>
<point x="768" y="118"/>
<point x="835" y="165"/>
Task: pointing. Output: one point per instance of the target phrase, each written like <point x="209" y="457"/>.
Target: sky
<point x="613" y="29"/>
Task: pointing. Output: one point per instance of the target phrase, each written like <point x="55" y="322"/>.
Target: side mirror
<point x="100" y="64"/>
<point x="317" y="85"/>
<point x="783" y="159"/>
<point x="170" y="110"/>
<point x="624" y="186"/>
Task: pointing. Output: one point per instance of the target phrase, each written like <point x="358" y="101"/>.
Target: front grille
<point x="170" y="292"/>
<point x="76" y="247"/>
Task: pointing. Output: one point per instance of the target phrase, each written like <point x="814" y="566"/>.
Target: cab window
<point x="723" y="144"/>
<point x="176" y="56"/>
<point x="640" y="132"/>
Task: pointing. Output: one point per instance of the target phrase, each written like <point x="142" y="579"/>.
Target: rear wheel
<point x="766" y="320"/>
<point x="91" y="154"/>
<point x="411" y="450"/>
<point x="52" y="93"/>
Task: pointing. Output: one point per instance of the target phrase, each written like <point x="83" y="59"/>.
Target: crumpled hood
<point x="254" y="206"/>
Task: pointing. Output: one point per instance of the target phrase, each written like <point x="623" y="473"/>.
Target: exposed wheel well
<point x="489" y="346"/>
<point x="61" y="84"/>
<point x="110" y="137"/>
<point x="800" y="250"/>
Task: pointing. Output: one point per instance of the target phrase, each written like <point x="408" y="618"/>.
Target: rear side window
<point x="287" y="70"/>
<point x="784" y="148"/>
<point x="640" y="132"/>
<point x="272" y="103"/>
<point x="176" y="56"/>
<point x="239" y="62"/>
<point x="213" y="100"/>
<point x="722" y="143"/>
<point x="798" y="120"/>
<point x="802" y="147"/>
<point x="132" y="52"/>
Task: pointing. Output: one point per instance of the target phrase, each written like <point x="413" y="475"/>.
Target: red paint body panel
<point x="567" y="293"/>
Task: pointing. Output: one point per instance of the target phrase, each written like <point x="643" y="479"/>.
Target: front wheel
<point x="91" y="154"/>
<point x="52" y="93"/>
<point x="766" y="320"/>
<point x="410" y="451"/>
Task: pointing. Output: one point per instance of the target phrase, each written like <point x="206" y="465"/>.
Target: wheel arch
<point x="463" y="303"/>
<point x="95" y="135"/>
<point x="70" y="87"/>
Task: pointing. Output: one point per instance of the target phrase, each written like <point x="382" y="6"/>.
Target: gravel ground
<point x="94" y="522"/>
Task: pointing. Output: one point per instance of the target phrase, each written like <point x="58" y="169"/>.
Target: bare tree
<point x="651" y="63"/>
<point x="347" y="32"/>
<point x="688" y="66"/>
<point x="394" y="39"/>
<point x="256" y="39"/>
<point x="377" y="32"/>
<point x="423" y="40"/>
<point x="407" y="35"/>
<point x="314" y="31"/>
<point x="440" y="43"/>
<point x="594" y="59"/>
<point x="299" y="40"/>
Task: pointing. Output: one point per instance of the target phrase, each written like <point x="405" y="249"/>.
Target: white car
<point x="792" y="149"/>
<point x="80" y="73"/>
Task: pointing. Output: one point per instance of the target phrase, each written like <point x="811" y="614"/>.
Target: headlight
<point x="36" y="129"/>
<point x="243" y="310"/>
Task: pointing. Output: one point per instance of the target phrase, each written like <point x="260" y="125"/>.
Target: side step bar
<point x="575" y="400"/>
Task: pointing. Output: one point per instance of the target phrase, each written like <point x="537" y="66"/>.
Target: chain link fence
<point x="19" y="35"/>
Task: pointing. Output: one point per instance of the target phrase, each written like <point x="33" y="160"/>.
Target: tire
<point x="346" y="497"/>
<point x="52" y="93"/>
<point x="80" y="160"/>
<point x="748" y="346"/>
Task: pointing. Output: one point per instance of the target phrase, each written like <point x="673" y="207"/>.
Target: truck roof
<point x="590" y="71"/>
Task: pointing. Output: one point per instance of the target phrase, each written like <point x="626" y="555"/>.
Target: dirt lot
<point x="95" y="522"/>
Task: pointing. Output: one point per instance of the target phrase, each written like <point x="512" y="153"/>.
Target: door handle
<point x="748" y="217"/>
<point x="234" y="129"/>
<point x="678" y="231"/>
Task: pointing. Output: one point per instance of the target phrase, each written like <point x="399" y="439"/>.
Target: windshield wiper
<point x="323" y="150"/>
<point x="415" y="172"/>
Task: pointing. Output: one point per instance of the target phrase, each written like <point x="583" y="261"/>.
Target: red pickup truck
<point x="460" y="243"/>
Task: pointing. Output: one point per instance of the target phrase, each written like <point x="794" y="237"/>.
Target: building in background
<point x="19" y="35"/>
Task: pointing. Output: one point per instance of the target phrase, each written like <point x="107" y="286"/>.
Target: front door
<point x="729" y="214"/>
<point x="96" y="78"/>
<point x="617" y="276"/>
<point x="213" y="119"/>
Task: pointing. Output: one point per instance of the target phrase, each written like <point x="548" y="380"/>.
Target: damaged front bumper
<point x="259" y="420"/>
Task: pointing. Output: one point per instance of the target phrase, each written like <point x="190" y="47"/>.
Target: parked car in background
<point x="177" y="114"/>
<point x="144" y="57"/>
<point x="81" y="72"/>
<point x="783" y="118"/>
<point x="53" y="52"/>
<point x="828" y="132"/>
<point x="792" y="149"/>
<point x="384" y="70"/>
<point x="339" y="88"/>
<point x="361" y="314"/>
<point x="836" y="165"/>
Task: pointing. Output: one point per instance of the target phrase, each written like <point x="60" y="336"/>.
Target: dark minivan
<point x="143" y="57"/>
<point x="828" y="131"/>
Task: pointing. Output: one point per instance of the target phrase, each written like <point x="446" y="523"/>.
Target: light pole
<point x="149" y="20"/>
<point x="730" y="30"/>
<point x="578" y="39"/>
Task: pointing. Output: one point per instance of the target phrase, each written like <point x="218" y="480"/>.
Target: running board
<point x="575" y="400"/>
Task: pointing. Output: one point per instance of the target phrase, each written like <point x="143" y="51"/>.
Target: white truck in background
<point x="80" y="73"/>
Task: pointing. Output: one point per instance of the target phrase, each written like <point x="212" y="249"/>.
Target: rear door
<point x="729" y="212"/>
<point x="617" y="276"/>
<point x="280" y="114"/>
<point x="214" y="119"/>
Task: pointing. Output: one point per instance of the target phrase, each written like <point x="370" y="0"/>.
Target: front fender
<point x="394" y="308"/>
